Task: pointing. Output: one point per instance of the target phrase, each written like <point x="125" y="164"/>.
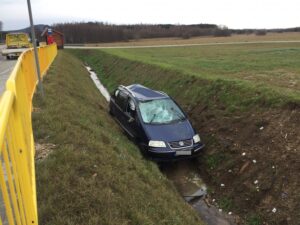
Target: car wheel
<point x="8" y="57"/>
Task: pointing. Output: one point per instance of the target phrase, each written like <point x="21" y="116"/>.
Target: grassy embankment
<point x="239" y="76"/>
<point x="94" y="175"/>
<point x="242" y="99"/>
<point x="256" y="66"/>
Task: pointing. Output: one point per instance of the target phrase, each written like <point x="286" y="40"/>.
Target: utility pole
<point x="37" y="63"/>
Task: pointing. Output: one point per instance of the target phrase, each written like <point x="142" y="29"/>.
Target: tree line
<point x="94" y="32"/>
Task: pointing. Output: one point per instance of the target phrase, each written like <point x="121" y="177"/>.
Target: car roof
<point x="143" y="93"/>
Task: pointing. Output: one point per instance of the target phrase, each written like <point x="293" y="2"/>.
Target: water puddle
<point x="98" y="84"/>
<point x="185" y="176"/>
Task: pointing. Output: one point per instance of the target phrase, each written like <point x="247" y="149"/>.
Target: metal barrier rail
<point x="17" y="168"/>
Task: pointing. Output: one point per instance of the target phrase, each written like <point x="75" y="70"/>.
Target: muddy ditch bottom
<point x="185" y="176"/>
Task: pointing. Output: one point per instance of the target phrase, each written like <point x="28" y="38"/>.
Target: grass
<point x="273" y="65"/>
<point x="118" y="66"/>
<point x="213" y="161"/>
<point x="225" y="204"/>
<point x="254" y="220"/>
<point x="210" y="101"/>
<point x="94" y="175"/>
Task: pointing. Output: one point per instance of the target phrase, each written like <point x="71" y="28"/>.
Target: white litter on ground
<point x="274" y="210"/>
<point x="254" y="161"/>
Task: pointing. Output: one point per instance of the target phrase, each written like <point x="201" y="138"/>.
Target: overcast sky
<point x="232" y="13"/>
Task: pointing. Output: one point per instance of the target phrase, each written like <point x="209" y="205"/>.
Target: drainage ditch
<point x="185" y="177"/>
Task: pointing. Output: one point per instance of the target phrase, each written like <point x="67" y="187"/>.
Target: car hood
<point x="170" y="132"/>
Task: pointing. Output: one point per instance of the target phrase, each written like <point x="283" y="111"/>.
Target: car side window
<point x="121" y="99"/>
<point x="131" y="107"/>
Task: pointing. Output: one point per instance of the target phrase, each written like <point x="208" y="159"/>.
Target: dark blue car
<point x="156" y="122"/>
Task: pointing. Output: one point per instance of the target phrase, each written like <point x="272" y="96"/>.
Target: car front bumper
<point x="167" y="154"/>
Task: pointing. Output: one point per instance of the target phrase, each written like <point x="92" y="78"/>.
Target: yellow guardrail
<point x="17" y="168"/>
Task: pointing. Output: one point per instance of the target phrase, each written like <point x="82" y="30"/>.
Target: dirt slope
<point x="256" y="155"/>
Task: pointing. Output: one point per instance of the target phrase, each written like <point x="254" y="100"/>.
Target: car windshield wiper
<point x="153" y="117"/>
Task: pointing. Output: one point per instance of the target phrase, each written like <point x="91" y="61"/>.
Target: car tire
<point x="8" y="57"/>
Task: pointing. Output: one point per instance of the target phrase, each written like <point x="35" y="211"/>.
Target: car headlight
<point x="157" y="144"/>
<point x="196" y="138"/>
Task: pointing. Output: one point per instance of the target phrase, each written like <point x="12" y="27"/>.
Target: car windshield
<point x="160" y="111"/>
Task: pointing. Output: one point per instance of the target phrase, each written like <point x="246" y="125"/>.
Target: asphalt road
<point x="6" y="67"/>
